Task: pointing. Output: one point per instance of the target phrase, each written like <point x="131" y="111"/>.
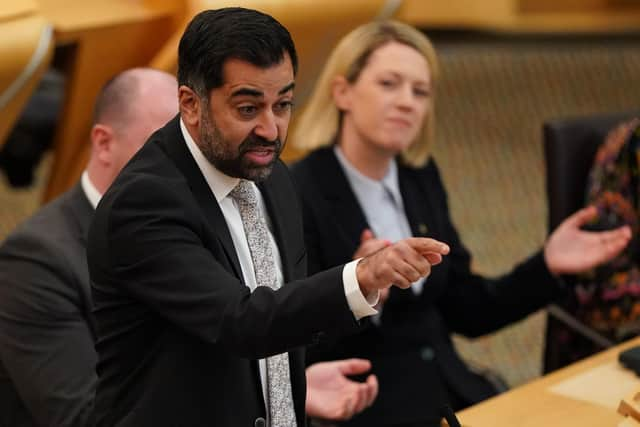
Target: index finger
<point x="425" y="245"/>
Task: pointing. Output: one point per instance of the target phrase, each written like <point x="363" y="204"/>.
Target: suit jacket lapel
<point x="81" y="210"/>
<point x="178" y="151"/>
<point x="339" y="194"/>
<point x="426" y="219"/>
<point x="417" y="203"/>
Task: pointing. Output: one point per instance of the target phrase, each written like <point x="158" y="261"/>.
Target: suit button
<point x="423" y="229"/>
<point x="427" y="354"/>
<point x="260" y="422"/>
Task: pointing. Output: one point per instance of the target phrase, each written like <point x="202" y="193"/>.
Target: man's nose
<point x="267" y="127"/>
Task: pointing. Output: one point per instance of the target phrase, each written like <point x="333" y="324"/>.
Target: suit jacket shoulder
<point x="52" y="241"/>
<point x="46" y="329"/>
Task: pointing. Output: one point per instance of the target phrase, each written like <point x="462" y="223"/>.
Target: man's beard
<point x="232" y="162"/>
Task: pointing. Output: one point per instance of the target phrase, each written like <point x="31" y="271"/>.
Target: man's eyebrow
<point x="287" y="88"/>
<point x="248" y="92"/>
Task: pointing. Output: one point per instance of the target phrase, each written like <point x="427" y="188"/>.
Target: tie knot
<point x="243" y="192"/>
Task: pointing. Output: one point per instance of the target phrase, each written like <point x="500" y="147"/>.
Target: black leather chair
<point x="569" y="148"/>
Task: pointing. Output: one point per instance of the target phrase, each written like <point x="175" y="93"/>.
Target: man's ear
<point x="102" y="140"/>
<point x="190" y="105"/>
<point x="341" y="91"/>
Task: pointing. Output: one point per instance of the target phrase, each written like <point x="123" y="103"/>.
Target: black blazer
<point x="178" y="332"/>
<point x="412" y="353"/>
<point x="47" y="355"/>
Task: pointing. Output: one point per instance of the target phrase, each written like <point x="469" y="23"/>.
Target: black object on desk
<point x="449" y="416"/>
<point x="631" y="359"/>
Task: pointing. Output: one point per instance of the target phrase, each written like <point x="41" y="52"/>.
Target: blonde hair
<point x="319" y="123"/>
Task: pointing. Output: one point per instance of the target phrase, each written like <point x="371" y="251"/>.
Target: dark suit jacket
<point x="411" y="351"/>
<point x="178" y="332"/>
<point x="47" y="369"/>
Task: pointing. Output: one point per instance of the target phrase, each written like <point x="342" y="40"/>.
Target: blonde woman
<point x="370" y="181"/>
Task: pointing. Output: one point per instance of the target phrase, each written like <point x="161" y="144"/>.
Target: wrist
<point x="361" y="277"/>
<point x="553" y="269"/>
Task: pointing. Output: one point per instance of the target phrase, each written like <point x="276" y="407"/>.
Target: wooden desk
<point x="534" y="404"/>
<point x="95" y="40"/>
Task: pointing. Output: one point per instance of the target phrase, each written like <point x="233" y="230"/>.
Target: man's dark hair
<point x="213" y="36"/>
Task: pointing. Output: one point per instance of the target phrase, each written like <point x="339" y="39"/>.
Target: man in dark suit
<point x="47" y="355"/>
<point x="196" y="316"/>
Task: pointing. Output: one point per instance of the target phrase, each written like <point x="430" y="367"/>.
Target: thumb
<point x="583" y="216"/>
<point x="367" y="234"/>
<point x="353" y="366"/>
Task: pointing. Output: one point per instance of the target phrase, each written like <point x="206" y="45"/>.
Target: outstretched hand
<point x="399" y="264"/>
<point x="571" y="250"/>
<point x="333" y="396"/>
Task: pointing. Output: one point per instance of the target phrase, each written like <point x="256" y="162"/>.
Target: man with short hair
<point x="47" y="354"/>
<point x="196" y="253"/>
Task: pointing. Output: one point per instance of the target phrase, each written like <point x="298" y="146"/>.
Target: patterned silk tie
<point x="278" y="379"/>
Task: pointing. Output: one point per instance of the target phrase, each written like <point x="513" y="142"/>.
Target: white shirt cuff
<point x="360" y="305"/>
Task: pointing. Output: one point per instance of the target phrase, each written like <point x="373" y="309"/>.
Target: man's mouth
<point x="261" y="156"/>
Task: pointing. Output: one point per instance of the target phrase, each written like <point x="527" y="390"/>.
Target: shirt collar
<point x="90" y="190"/>
<point x="389" y="181"/>
<point x="220" y="184"/>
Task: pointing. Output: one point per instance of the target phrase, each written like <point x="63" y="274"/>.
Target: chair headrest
<point x="570" y="145"/>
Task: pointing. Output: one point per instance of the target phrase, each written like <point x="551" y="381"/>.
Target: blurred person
<point x="603" y="309"/>
<point x="196" y="253"/>
<point x="32" y="134"/>
<point x="370" y="181"/>
<point x="47" y="355"/>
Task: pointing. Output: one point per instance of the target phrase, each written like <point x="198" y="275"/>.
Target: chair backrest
<point x="570" y="145"/>
<point x="26" y="47"/>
